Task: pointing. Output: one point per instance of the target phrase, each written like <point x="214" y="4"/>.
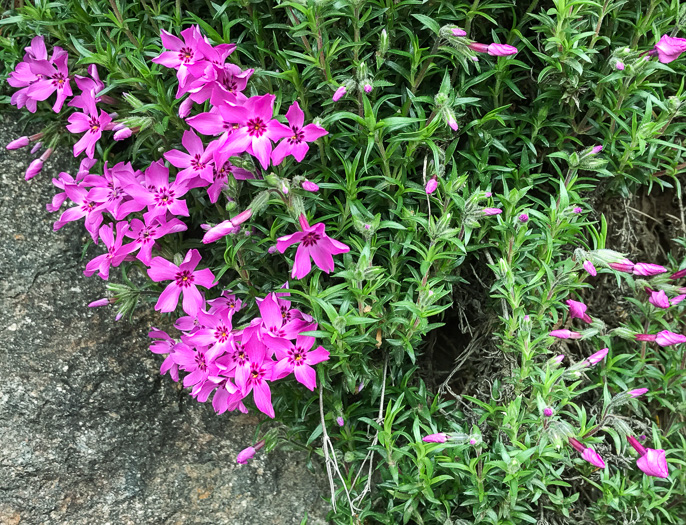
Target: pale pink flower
<point x="669" y="48"/>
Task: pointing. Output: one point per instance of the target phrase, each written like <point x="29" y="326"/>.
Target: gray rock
<point x="90" y="432"/>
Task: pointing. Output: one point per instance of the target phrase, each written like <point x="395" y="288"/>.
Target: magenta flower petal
<point x="169" y="298"/>
<point x="654" y="463"/>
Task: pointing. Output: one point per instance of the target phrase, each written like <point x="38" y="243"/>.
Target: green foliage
<point x="417" y="262"/>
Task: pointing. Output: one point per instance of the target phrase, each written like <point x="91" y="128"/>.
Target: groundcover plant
<point x="381" y="226"/>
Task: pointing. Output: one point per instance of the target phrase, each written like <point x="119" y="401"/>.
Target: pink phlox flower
<point x="65" y="179"/>
<point x="261" y="369"/>
<point x="53" y="77"/>
<point x="667" y="338"/>
<point x="597" y="357"/>
<point x="184" y="278"/>
<point x="223" y="402"/>
<point x="669" y="48"/>
<point x="441" y="437"/>
<point x="85" y="207"/>
<point x="218" y="121"/>
<point x="217" y="330"/>
<point x="565" y="334"/>
<point x="90" y="123"/>
<point x="90" y="87"/>
<point x="116" y="253"/>
<point x="220" y="385"/>
<point x="278" y="325"/>
<point x="188" y="324"/>
<point x="299" y="358"/>
<point x="588" y="266"/>
<point x="295" y="136"/>
<point x="577" y="310"/>
<point x="23" y="77"/>
<point x="196" y="361"/>
<point x="288" y="313"/>
<point x="107" y="189"/>
<point x="181" y="54"/>
<point x="145" y="233"/>
<point x="654" y="463"/>
<point x="165" y="345"/>
<point x="257" y="129"/>
<point x="198" y="162"/>
<point x="648" y="269"/>
<point x="159" y="195"/>
<point x="313" y="243"/>
<point x="223" y="87"/>
<point x="659" y="299"/>
<point x="625" y="265"/>
<point x="226" y="301"/>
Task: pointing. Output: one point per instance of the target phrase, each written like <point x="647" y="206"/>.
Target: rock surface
<point x="90" y="432"/>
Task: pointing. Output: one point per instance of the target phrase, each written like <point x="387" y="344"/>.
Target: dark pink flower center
<point x="200" y="361"/>
<point x="276" y="331"/>
<point x="310" y="239"/>
<point x="229" y="84"/>
<point x="58" y="80"/>
<point x="164" y="197"/>
<point x="146" y="234"/>
<point x="256" y="127"/>
<point x="221" y="333"/>
<point x="94" y="124"/>
<point x="88" y="206"/>
<point x="297" y="356"/>
<point x="285" y="314"/>
<point x="184" y="279"/>
<point x="196" y="163"/>
<point x="186" y="55"/>
<point x="256" y="374"/>
<point x="298" y="135"/>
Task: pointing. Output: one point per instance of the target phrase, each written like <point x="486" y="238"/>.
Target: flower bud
<point x="565" y="334"/>
<point x="588" y="266"/>
<point x="596" y="149"/>
<point x="619" y="65"/>
<point x="340" y="421"/>
<point x="596" y="358"/>
<point x="368" y="88"/>
<point x="547" y="411"/>
<point x="659" y="299"/>
<point x="524" y="217"/>
<point x="441" y="437"/>
<point x="245" y="455"/>
<point x="21" y="142"/>
<point x="34" y="169"/>
<point x="501" y="50"/>
<point x="101" y="302"/>
<point x="431" y="185"/>
<point x="122" y="134"/>
<point x="667" y="338"/>
<point x="648" y="269"/>
<point x="340" y="92"/>
<point x="456" y="31"/>
<point x="491" y="211"/>
<point x="36" y="147"/>
<point x="309" y="186"/>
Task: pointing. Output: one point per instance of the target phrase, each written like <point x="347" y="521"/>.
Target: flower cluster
<point x="229" y="362"/>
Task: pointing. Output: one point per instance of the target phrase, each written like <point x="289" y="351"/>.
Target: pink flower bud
<point x="245" y="455"/>
<point x="638" y="446"/>
<point x="636" y="392"/>
<point x="36" y="147"/>
<point x="667" y="338"/>
<point x="21" y="142"/>
<point x="100" y="302"/>
<point x="492" y="211"/>
<point x="524" y="217"/>
<point x="565" y="334"/>
<point x="596" y="149"/>
<point x="577" y="310"/>
<point x="340" y="421"/>
<point x="310" y="186"/>
<point x="122" y="134"/>
<point x="452" y="122"/>
<point x="272" y="249"/>
<point x="659" y="299"/>
<point x="368" y="88"/>
<point x="340" y="92"/>
<point x="557" y="359"/>
<point x="472" y="441"/>
<point x="431" y="185"/>
<point x="34" y="169"/>
<point x="596" y="358"/>
<point x="653" y="463"/>
<point x="501" y="50"/>
<point x="487" y="194"/>
<point x="588" y="266"/>
<point x="185" y="108"/>
<point x="456" y="31"/>
<point x="220" y="230"/>
<point x="625" y="265"/>
<point x="648" y="269"/>
<point x="593" y="458"/>
<point x="678" y="299"/>
<point x="619" y="65"/>
<point x="241" y="217"/>
<point x="577" y="210"/>
<point x="547" y="411"/>
<point x="678" y="275"/>
<point x="436" y="438"/>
